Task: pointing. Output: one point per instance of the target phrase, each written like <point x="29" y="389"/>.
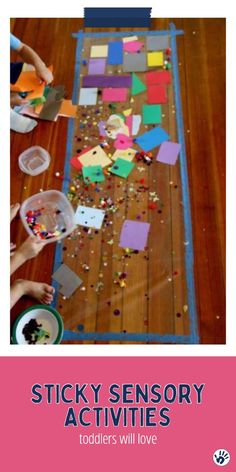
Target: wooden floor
<point x="202" y="74"/>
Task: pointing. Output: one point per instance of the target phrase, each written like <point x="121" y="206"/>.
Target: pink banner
<point x="117" y="414"/>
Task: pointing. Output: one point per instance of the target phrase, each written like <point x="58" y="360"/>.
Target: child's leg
<point x="20" y="123"/>
<point x="40" y="291"/>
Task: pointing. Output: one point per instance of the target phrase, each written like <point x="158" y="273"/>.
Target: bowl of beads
<point x="39" y="324"/>
<point x="48" y="215"/>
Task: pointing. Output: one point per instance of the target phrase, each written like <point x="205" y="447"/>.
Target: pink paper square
<point x="133" y="46"/>
<point x="114" y="95"/>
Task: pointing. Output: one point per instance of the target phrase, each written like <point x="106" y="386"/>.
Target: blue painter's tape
<point x="194" y="337"/>
<point x="115" y="53"/>
<point x="119" y="34"/>
<point x="138" y="337"/>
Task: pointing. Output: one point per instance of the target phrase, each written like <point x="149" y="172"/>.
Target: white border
<point x="168" y="9"/>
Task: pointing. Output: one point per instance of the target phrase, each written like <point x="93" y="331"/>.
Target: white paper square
<point x="88" y="96"/>
<point x="89" y="217"/>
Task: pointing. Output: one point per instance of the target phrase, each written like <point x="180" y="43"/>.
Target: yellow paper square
<point x="95" y="157"/>
<point x="126" y="154"/>
<point x="155" y="59"/>
<point x="99" y="51"/>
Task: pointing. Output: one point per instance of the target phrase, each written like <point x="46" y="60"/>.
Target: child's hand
<point x="16" y="100"/>
<point x="44" y="74"/>
<point x="31" y="247"/>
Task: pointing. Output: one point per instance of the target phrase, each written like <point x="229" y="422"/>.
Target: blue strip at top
<point x="117" y="17"/>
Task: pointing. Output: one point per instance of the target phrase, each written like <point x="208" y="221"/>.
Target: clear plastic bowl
<point x="34" y="160"/>
<point x="57" y="214"/>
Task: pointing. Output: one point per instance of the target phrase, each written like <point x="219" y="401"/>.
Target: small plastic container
<point x="34" y="160"/>
<point x="49" y="215"/>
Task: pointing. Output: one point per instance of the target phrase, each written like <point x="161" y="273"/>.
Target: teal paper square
<point x="151" y="114"/>
<point x="122" y="168"/>
<point x="93" y="174"/>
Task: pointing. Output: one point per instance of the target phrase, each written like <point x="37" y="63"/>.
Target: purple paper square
<point x="168" y="152"/>
<point x="134" y="235"/>
<point x="96" y="66"/>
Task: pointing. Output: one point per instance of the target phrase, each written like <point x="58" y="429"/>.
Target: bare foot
<point x="40" y="291"/>
<point x="14" y="209"/>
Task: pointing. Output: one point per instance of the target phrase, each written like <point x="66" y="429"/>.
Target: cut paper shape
<point x="126" y="154"/>
<point x="127" y="112"/>
<point x="135" y="62"/>
<point x="93" y="174"/>
<point x="156" y="94"/>
<point x="29" y="82"/>
<point x="115" y="125"/>
<point x="89" y="217"/>
<point x="101" y="127"/>
<point x="114" y="95"/>
<point x="155" y="59"/>
<point x="96" y="66"/>
<point x="137" y="85"/>
<point x="94" y="157"/>
<point x="127" y="39"/>
<point x="157" y="43"/>
<point x="134" y="235"/>
<point x="107" y="81"/>
<point x="136" y="124"/>
<point x="88" y="96"/>
<point x="27" y="110"/>
<point x="75" y="162"/>
<point x="68" y="280"/>
<point x="99" y="51"/>
<point x="152" y="138"/>
<point x="168" y="152"/>
<point x="115" y="52"/>
<point x="53" y="103"/>
<point x="123" y="142"/>
<point x="122" y="168"/>
<point x="161" y="77"/>
<point x="129" y="123"/>
<point x="133" y="46"/>
<point x="151" y="114"/>
<point x="67" y="109"/>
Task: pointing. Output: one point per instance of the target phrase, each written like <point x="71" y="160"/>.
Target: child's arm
<point x="29" y="249"/>
<point x="29" y="56"/>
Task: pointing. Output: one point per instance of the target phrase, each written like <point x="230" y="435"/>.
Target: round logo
<point x="221" y="457"/>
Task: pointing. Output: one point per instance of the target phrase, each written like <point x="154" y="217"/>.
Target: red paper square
<point x="161" y="77"/>
<point x="75" y="162"/>
<point x="156" y="94"/>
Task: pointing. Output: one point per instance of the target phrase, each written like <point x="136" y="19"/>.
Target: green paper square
<point x="93" y="174"/>
<point x="122" y="168"/>
<point x="151" y="114"/>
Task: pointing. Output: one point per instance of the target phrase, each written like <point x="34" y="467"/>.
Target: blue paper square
<point x="152" y="138"/>
<point x="115" y="53"/>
